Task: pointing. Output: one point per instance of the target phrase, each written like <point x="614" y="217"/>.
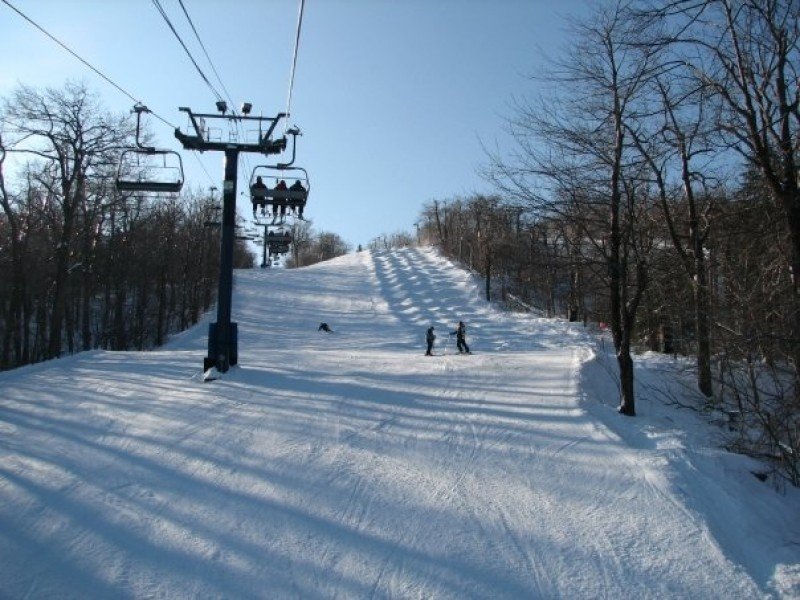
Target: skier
<point x="324" y="327"/>
<point x="429" y="338"/>
<point x="460" y="333"/>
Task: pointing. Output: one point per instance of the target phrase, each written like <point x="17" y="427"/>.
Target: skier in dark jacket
<point x="429" y="338"/>
<point x="461" y="342"/>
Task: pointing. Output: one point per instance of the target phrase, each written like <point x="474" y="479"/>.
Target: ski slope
<point x="348" y="465"/>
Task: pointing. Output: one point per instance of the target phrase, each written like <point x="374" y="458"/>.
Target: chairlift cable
<point x="203" y="46"/>
<point x="294" y="64"/>
<point x="163" y="13"/>
<point x="196" y="154"/>
<point x="101" y="74"/>
<point x="111" y="81"/>
<point x="216" y="73"/>
<point x="85" y="62"/>
<point x="65" y="47"/>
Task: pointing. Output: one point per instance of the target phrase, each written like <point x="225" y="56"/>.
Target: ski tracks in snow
<point x="421" y="290"/>
<point x="349" y="465"/>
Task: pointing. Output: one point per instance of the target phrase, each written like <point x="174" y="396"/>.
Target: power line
<point x="195" y="153"/>
<point x="117" y="86"/>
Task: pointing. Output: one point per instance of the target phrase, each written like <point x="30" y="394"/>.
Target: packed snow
<point x="349" y="465"/>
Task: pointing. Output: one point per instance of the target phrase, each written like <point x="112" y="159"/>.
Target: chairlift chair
<point x="148" y="169"/>
<point x="282" y="197"/>
<point x="282" y="237"/>
<point x="278" y="242"/>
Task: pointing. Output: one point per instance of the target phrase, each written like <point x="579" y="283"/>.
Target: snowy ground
<point x="348" y="465"/>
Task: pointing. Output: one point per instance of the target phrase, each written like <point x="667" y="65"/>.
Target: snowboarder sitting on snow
<point x="460" y="333"/>
<point x="324" y="327"/>
<point x="429" y="338"/>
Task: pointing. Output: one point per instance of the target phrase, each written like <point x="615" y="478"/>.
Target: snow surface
<point x="348" y="465"/>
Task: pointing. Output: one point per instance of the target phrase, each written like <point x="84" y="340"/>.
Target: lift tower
<point x="223" y="335"/>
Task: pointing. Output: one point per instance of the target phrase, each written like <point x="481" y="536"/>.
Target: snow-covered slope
<point x="349" y="465"/>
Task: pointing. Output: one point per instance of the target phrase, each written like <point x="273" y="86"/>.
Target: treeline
<point x="654" y="188"/>
<point x="553" y="266"/>
<point x="82" y="265"/>
<point x="310" y="246"/>
<point x="550" y="265"/>
<point x="386" y="241"/>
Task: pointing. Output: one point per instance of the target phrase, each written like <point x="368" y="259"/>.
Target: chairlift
<point x="148" y="169"/>
<point x="278" y="242"/>
<point x="278" y="189"/>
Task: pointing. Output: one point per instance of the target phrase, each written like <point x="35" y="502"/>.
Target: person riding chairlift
<point x="257" y="195"/>
<point x="297" y="186"/>
<point x="281" y="187"/>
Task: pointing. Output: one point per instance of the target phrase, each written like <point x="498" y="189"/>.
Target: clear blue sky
<point x="393" y="97"/>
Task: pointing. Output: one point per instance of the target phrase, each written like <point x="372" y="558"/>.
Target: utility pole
<point x="223" y="338"/>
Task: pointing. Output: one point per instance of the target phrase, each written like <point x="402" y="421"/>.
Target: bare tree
<point x="88" y="266"/>
<point x="309" y="247"/>
<point x="746" y="53"/>
<point x="574" y="160"/>
<point x="14" y="323"/>
<point x="672" y="141"/>
<point x="67" y="133"/>
<point x="755" y="303"/>
<point x="330" y="245"/>
<point x="301" y="243"/>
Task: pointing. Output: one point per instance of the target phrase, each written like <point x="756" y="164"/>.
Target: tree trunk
<point x="620" y="325"/>
<point x="792" y="206"/>
<point x="488" y="277"/>
<point x="59" y="297"/>
<point x="27" y="315"/>
<point x="86" y="312"/>
<point x="69" y="322"/>
<point x="702" y="306"/>
<point x="625" y="363"/>
<point x="120" y="336"/>
<point x="161" y="308"/>
<point x="16" y="325"/>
